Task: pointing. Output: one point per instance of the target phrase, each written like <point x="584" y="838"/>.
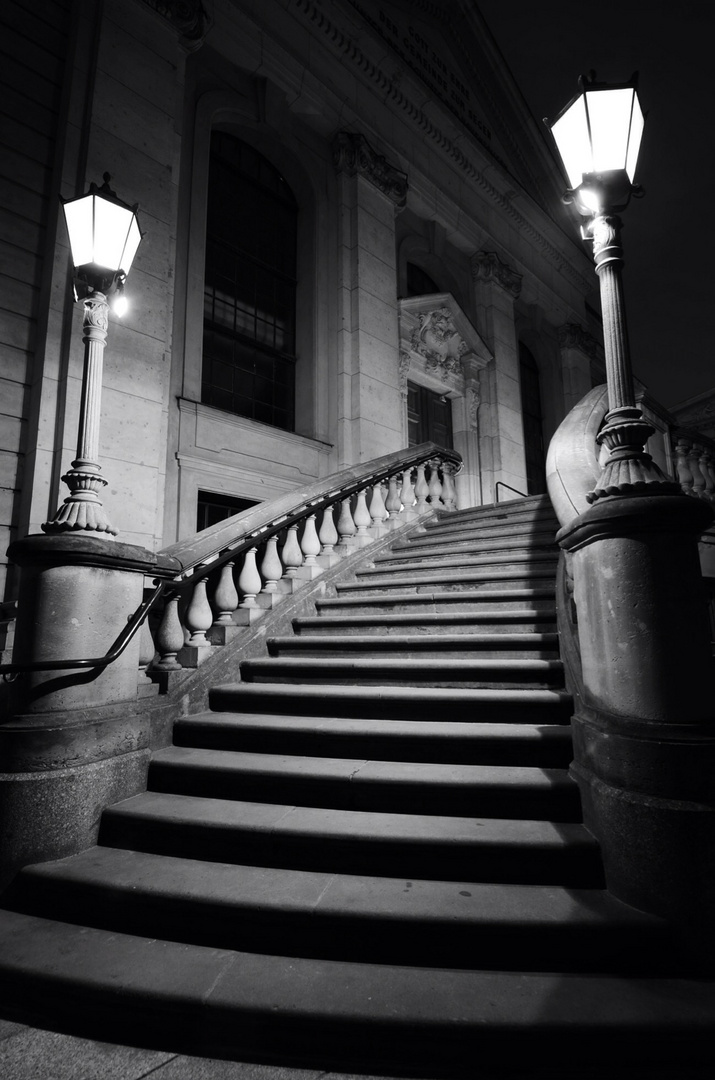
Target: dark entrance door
<point x="429" y="417"/>
<point x="532" y="419"/>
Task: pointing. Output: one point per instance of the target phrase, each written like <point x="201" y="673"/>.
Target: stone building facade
<point x="353" y="239"/>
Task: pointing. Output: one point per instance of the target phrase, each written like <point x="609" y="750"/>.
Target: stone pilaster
<point x="501" y="438"/>
<point x="370" y="404"/>
<point x="578" y="351"/>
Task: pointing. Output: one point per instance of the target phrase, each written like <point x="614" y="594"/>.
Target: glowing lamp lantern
<point x="598" y="136"/>
<point x="104" y="236"/>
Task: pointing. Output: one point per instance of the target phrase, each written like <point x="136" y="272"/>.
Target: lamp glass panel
<point x="78" y="215"/>
<point x="111" y="224"/>
<point x="637" y="124"/>
<point x="610" y="115"/>
<point x="571" y="134"/>
<point x="130" y="245"/>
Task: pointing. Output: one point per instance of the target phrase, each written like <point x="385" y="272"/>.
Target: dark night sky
<point x="668" y="235"/>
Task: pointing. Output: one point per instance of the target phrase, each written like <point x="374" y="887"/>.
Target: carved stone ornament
<point x="405" y="361"/>
<point x="473" y="402"/>
<point x="352" y="154"/>
<point x="573" y="336"/>
<point x="187" y="16"/>
<point x="439" y="342"/>
<point x="488" y="267"/>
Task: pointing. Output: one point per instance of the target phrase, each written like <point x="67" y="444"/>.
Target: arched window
<point x="532" y="421"/>
<point x="249" y="286"/>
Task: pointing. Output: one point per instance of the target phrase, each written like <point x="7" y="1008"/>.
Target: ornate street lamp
<point x="104" y="236"/>
<point x="598" y="136"/>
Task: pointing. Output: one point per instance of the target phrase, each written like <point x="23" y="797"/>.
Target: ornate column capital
<point x="353" y="155"/>
<point x="488" y="268"/>
<point x="573" y="336"/>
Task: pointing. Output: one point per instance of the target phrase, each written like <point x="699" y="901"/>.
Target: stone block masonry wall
<point x="33" y="48"/>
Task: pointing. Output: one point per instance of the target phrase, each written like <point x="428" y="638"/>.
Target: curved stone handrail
<point x="572" y="463"/>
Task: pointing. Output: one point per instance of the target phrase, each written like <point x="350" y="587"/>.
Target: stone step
<point x="377" y="670"/>
<point x="453" y="790"/>
<point x="481" y="534"/>
<point x="476" y="600"/>
<point x="431" y="648"/>
<point x="524" y="621"/>
<point x="502" y="561"/>
<point x="474" y="541"/>
<point x="505" y="523"/>
<point x="437" y="704"/>
<point x="496" y="850"/>
<point x="342" y="917"/>
<point x="383" y="1019"/>
<point x="464" y="580"/>
<point x="445" y="741"/>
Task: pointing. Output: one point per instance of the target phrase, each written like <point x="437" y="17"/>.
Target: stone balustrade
<point x="234" y="572"/>
<point x="694" y="463"/>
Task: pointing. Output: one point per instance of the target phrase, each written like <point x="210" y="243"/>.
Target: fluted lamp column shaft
<point x="83" y="508"/>
<point x="629" y="469"/>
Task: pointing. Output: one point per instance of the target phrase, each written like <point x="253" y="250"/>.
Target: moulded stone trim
<point x="573" y="336"/>
<point x="487" y="267"/>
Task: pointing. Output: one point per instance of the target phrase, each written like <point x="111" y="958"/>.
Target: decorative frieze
<point x="474" y="400"/>
<point x="488" y="268"/>
<point x="352" y="154"/>
<point x="187" y="16"/>
<point x="439" y="347"/>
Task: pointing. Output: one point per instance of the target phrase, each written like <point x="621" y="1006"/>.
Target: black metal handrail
<point x="500" y="483"/>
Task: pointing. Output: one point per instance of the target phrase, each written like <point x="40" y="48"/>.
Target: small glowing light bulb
<point x="120" y="306"/>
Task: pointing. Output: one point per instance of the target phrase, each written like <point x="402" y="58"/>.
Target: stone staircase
<point x="368" y="854"/>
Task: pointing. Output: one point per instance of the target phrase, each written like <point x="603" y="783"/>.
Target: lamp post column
<point x="83" y="509"/>
<point x="629" y="469"/>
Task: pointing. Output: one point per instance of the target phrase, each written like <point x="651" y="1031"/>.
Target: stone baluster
<point x="449" y="490"/>
<point x="328" y="537"/>
<point x="199" y="616"/>
<point x="685" y="477"/>
<point x="362" y="520"/>
<point x="346" y="529"/>
<point x="694" y="466"/>
<point x="393" y="503"/>
<point x="225" y="597"/>
<point x="147" y="651"/>
<point x="310" y="547"/>
<point x="378" y="513"/>
<point x="435" y="486"/>
<point x="271" y="567"/>
<point x="407" y="496"/>
<point x="170" y="637"/>
<point x="421" y="491"/>
<point x="249" y="580"/>
<point x="291" y="555"/>
<point x="310" y="543"/>
<point x="706" y="467"/>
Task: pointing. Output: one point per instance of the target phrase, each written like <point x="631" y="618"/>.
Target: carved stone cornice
<point x="186" y="16"/>
<point x="352" y="154"/>
<point x="488" y="268"/>
<point x="573" y="336"/>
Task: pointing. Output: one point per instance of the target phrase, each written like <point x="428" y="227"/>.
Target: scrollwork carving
<point x="353" y="154"/>
<point x="438" y="341"/>
<point x="488" y="267"/>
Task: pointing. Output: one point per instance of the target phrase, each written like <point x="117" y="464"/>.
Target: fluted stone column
<point x="496" y="287"/>
<point x="370" y="405"/>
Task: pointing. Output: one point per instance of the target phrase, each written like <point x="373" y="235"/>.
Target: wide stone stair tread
<point x="376" y="669"/>
<point x="348" y="917"/>
<point x="500" y="558"/>
<point x="480" y="535"/>
<point x="355" y="841"/>
<point x="393" y="579"/>
<point x="365" y="784"/>
<point x="326" y="1012"/>
<point x="478" y="601"/>
<point x="445" y="741"/>
<point x="397" y="702"/>
<point x="531" y="645"/>
<point x="411" y="550"/>
<point x="468" y="622"/>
